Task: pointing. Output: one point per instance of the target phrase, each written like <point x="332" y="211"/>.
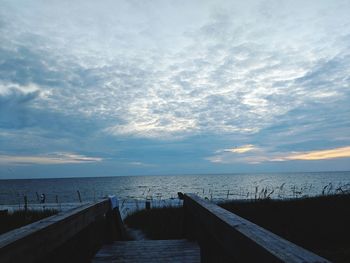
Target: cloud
<point x="342" y="152"/>
<point x="241" y="149"/>
<point x="140" y="164"/>
<point x="54" y="158"/>
<point x="28" y="125"/>
<point x="268" y="155"/>
<point x="220" y="73"/>
<point x="273" y="74"/>
<point x="14" y="101"/>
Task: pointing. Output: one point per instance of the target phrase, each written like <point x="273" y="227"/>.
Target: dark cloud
<point x="24" y="66"/>
<point x="13" y="109"/>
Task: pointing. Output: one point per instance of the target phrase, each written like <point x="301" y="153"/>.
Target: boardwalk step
<point x="143" y="251"/>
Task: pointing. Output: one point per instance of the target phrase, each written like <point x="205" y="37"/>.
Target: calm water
<point x="216" y="186"/>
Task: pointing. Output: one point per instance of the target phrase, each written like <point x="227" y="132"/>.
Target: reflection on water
<point x="216" y="186"/>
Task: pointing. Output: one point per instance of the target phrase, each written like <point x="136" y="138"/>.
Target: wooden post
<point x="58" y="203"/>
<point x="148" y="202"/>
<point x="25" y="204"/>
<point x="189" y="227"/>
<point x="195" y="230"/>
<point x="79" y="196"/>
<point x="114" y="223"/>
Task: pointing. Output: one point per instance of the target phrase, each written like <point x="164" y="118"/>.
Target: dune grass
<point x="158" y="223"/>
<point x="10" y="221"/>
<point x="320" y="224"/>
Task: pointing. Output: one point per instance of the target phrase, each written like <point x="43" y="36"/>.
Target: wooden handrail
<point x="226" y="237"/>
<point x="33" y="242"/>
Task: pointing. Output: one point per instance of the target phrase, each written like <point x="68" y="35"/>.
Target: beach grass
<point x="158" y="223"/>
<point x="319" y="224"/>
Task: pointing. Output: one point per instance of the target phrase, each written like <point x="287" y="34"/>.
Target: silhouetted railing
<point x="71" y="236"/>
<point x="225" y="237"/>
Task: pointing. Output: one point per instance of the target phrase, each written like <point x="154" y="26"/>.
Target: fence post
<point x="79" y="196"/>
<point x="148" y="205"/>
<point x="25" y="204"/>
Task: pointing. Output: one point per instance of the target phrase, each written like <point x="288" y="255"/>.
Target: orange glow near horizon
<point x="341" y="152"/>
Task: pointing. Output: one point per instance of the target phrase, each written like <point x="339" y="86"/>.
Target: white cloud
<point x="158" y="70"/>
<point x="241" y="149"/>
<point x="6" y="88"/>
<point x="140" y="164"/>
<point x="54" y="158"/>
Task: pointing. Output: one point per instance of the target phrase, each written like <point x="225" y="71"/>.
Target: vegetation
<point x="320" y="224"/>
<point x="10" y="221"/>
<point x="158" y="223"/>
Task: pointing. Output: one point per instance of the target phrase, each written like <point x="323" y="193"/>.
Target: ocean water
<point x="214" y="186"/>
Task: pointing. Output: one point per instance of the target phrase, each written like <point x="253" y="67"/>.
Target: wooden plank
<point x="34" y="241"/>
<point x="240" y="239"/>
<point x="145" y="251"/>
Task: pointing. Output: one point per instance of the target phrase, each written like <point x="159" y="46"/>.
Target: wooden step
<point x="143" y="251"/>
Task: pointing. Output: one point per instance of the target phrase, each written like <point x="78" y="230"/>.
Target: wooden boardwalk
<point x="75" y="236"/>
<point x="147" y="251"/>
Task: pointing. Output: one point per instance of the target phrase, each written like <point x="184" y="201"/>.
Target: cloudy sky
<point x="101" y="88"/>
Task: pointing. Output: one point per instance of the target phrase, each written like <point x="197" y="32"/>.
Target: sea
<point x="211" y="186"/>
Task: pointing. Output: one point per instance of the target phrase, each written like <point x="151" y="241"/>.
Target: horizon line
<point x="185" y="174"/>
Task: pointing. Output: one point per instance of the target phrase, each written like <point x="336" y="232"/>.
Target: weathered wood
<point x="146" y="251"/>
<point x="82" y="246"/>
<point x="114" y="226"/>
<point x="32" y="242"/>
<point x="219" y="232"/>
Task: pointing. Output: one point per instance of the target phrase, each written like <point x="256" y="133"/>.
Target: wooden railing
<point x="76" y="235"/>
<point x="226" y="237"/>
<point x="72" y="236"/>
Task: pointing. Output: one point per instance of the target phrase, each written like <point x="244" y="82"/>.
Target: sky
<point x="104" y="88"/>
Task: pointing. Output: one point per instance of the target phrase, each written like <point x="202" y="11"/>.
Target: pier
<point x="95" y="232"/>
